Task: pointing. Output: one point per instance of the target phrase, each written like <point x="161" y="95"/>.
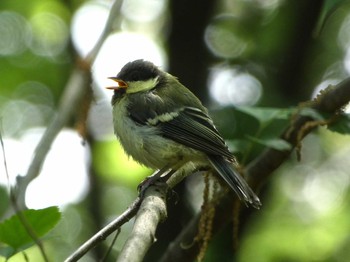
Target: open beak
<point x="121" y="84"/>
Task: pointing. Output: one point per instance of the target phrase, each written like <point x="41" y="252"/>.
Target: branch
<point x="152" y="211"/>
<point x="158" y="191"/>
<point x="71" y="98"/>
<point x="23" y="220"/>
<point x="330" y="101"/>
<point x="258" y="172"/>
<point x="106" y="231"/>
<point x="76" y="86"/>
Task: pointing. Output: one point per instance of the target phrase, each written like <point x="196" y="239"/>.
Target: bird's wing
<point x="194" y="128"/>
<point x="185" y="121"/>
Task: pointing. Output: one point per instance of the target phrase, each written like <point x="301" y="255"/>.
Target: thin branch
<point x="71" y="98"/>
<point x="258" y="171"/>
<point x="128" y="214"/>
<point x="100" y="236"/>
<point x="330" y="101"/>
<point x="111" y="21"/>
<point x="27" y="226"/>
<point x="152" y="211"/>
<point x="111" y="245"/>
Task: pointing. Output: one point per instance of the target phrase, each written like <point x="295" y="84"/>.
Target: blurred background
<point x="230" y="53"/>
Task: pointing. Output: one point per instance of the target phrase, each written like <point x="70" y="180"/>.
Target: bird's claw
<point x="153" y="179"/>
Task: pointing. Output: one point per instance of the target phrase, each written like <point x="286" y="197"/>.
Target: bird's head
<point x="136" y="76"/>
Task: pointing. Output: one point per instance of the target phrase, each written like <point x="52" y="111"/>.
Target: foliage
<point x="15" y="235"/>
<point x="283" y="52"/>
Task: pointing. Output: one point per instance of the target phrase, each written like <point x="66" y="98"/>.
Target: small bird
<point x="163" y="125"/>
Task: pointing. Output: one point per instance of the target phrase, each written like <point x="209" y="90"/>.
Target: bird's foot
<point x="161" y="175"/>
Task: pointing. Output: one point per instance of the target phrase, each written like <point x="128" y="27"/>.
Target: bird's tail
<point x="232" y="177"/>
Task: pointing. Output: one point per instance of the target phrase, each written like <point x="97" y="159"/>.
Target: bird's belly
<point x="148" y="147"/>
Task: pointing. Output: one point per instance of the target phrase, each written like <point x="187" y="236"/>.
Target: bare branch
<point x="152" y="211"/>
<point x="106" y="231"/>
<point x="73" y="93"/>
<point x="153" y="207"/>
<point x="27" y="226"/>
<point x="69" y="102"/>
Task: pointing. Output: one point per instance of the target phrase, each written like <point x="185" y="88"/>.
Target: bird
<point x="161" y="124"/>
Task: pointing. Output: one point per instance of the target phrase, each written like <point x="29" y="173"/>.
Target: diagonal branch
<point x="74" y="90"/>
<point x="330" y="101"/>
<point x="106" y="231"/>
<point x="71" y="98"/>
<point x="152" y="211"/>
<point x="152" y="203"/>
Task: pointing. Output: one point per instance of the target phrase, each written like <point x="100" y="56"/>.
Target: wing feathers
<point x="196" y="130"/>
<point x="235" y="180"/>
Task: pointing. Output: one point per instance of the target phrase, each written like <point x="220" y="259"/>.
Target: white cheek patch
<point x="141" y="86"/>
<point x="162" y="118"/>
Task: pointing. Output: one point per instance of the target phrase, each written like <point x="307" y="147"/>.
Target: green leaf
<point x="314" y="114"/>
<point x="275" y="143"/>
<point x="342" y="125"/>
<point x="41" y="221"/>
<point x="4" y="203"/>
<point x="266" y="115"/>
<point x="236" y="124"/>
<point x="7" y="251"/>
<point x="329" y="7"/>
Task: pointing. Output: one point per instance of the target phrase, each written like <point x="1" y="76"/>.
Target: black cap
<point x="138" y="70"/>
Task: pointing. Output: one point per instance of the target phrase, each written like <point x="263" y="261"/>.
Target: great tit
<point x="163" y="125"/>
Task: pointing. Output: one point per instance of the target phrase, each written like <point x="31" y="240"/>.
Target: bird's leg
<point x="160" y="175"/>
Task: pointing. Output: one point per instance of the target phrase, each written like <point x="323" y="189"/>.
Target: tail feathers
<point x="231" y="176"/>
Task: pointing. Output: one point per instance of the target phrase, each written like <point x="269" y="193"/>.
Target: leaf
<point x="329" y="7"/>
<point x="4" y="203"/>
<point x="314" y="114"/>
<point x="275" y="143"/>
<point x="13" y="233"/>
<point x="234" y="124"/>
<point x="266" y="115"/>
<point x="7" y="251"/>
<point x="342" y="125"/>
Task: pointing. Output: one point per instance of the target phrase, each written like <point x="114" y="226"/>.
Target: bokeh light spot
<point x="63" y="179"/>
<point x="143" y="11"/>
<point x="15" y="33"/>
<point x="50" y="34"/>
<point x="121" y="48"/>
<point x="224" y="38"/>
<point x="87" y="26"/>
<point x="231" y="87"/>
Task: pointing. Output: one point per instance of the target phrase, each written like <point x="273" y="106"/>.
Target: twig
<point x="27" y="226"/>
<point x="111" y="246"/>
<point x="69" y="102"/>
<point x="176" y="178"/>
<point x="71" y="98"/>
<point x="106" y="231"/>
<point x="331" y="101"/>
<point x="111" y="20"/>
